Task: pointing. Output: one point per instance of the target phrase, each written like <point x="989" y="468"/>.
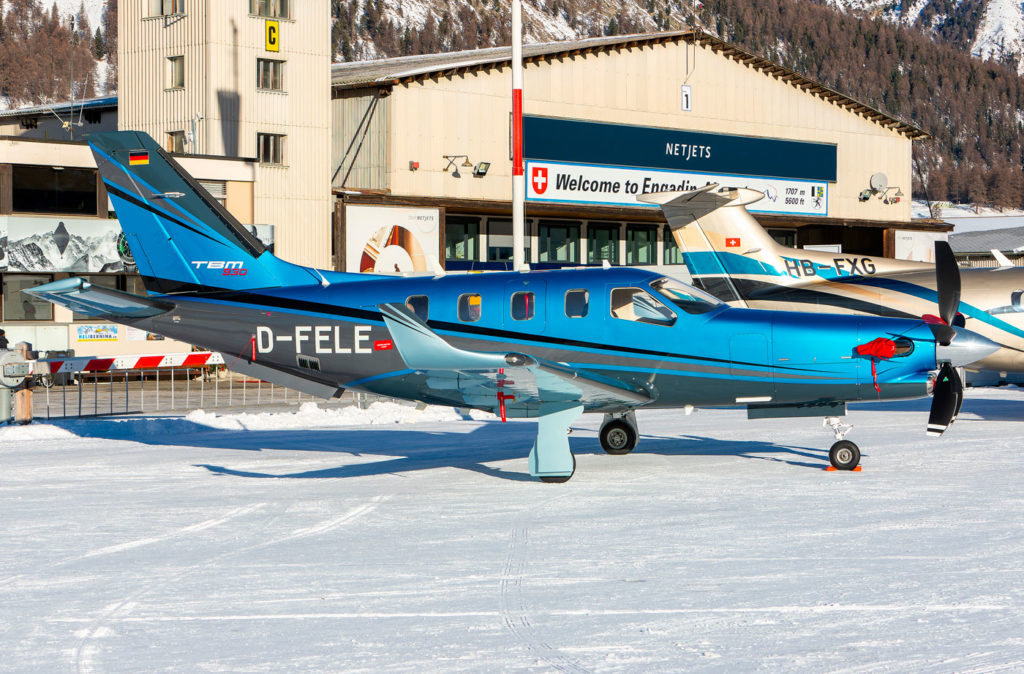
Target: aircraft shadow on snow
<point x="409" y="450"/>
<point x="985" y="408"/>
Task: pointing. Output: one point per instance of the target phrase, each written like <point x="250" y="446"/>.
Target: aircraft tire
<point x="558" y="479"/>
<point x="617" y="437"/>
<point x="844" y="455"/>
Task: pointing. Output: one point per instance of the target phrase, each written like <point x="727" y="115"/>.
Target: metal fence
<point x="164" y="390"/>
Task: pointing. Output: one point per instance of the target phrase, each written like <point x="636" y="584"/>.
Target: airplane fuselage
<point x="716" y="356"/>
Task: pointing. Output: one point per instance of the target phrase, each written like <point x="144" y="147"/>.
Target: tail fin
<point x="724" y="247"/>
<point x="181" y="238"/>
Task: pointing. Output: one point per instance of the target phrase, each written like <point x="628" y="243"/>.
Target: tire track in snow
<point x="87" y="650"/>
<point x="513" y="605"/>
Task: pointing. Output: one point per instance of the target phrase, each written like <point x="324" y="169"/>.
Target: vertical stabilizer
<point x="181" y="238"/>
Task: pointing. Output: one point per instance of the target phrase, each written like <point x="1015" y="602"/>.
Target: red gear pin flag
<point x="877" y="349"/>
<point x="732" y="242"/>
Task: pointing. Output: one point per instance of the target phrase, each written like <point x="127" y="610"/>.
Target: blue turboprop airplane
<point x="544" y="344"/>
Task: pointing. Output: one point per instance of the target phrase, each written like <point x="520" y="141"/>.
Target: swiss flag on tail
<point x="732" y="242"/>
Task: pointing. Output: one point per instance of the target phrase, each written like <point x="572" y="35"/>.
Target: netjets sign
<point x="609" y="164"/>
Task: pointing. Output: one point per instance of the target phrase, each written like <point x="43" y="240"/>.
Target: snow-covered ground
<point x="420" y="543"/>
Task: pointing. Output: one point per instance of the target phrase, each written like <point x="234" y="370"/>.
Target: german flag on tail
<point x="138" y="157"/>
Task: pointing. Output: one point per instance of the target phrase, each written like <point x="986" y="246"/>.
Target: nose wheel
<point x="844" y="455"/>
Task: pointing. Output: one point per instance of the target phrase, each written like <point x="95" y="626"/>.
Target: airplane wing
<point x="85" y="298"/>
<point x="476" y="378"/>
<point x="682" y="208"/>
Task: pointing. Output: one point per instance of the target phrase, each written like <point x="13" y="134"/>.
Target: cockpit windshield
<point x="689" y="299"/>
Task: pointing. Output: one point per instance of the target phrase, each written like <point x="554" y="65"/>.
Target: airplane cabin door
<point x="525" y="305"/>
<point x="752" y="381"/>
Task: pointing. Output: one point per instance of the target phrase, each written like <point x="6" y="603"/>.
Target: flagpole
<point x="518" y="179"/>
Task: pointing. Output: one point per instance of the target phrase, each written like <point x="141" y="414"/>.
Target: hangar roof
<point x="101" y="102"/>
<point x="1006" y="239"/>
<point x="406" y="69"/>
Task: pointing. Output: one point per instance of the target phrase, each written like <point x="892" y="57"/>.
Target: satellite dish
<point x="879" y="182"/>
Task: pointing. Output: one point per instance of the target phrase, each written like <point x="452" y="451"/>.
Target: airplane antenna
<point x="323" y="281"/>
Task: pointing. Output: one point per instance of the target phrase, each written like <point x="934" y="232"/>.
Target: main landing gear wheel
<point x="844" y="455"/>
<point x="617" y="437"/>
<point x="558" y="479"/>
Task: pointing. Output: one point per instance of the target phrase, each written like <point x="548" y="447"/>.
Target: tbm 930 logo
<point x="227" y="268"/>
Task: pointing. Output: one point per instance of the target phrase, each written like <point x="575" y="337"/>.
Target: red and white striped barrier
<point x="152" y="362"/>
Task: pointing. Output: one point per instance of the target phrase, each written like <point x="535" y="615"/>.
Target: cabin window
<point x="634" y="304"/>
<point x="420" y="305"/>
<point x="577" y="303"/>
<point x="469" y="307"/>
<point x="523" y="306"/>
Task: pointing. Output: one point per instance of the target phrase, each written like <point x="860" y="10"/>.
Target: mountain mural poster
<point x="49" y="244"/>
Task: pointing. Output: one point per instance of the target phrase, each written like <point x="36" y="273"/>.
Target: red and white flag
<point x="732" y="242"/>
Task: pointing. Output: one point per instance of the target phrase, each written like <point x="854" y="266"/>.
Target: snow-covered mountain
<point x="988" y="29"/>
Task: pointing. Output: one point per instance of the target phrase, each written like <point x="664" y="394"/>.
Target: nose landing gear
<point x="843" y="455"/>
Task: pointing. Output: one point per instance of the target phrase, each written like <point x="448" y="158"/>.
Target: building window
<point x="165" y="7"/>
<point x="523" y="306"/>
<point x="269" y="75"/>
<point x="461" y="238"/>
<point x="558" y="241"/>
<point x="784" y="237"/>
<point x="420" y="305"/>
<point x="673" y="254"/>
<point x="641" y="245"/>
<point x="469" y="308"/>
<point x="102" y="280"/>
<point x="577" y="303"/>
<point x="176" y="72"/>
<point x="602" y="243"/>
<point x="29" y="123"/>
<point x="218" y="189"/>
<point x="274" y="9"/>
<point x="499" y="241"/>
<point x="176" y="142"/>
<point x="270" y="147"/>
<point x="21" y="307"/>
<point x="53" y="189"/>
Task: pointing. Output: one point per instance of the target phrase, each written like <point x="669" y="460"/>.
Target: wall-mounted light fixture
<point x="452" y="161"/>
<point x="481" y="169"/>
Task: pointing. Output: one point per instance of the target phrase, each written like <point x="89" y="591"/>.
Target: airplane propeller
<point x="953" y="348"/>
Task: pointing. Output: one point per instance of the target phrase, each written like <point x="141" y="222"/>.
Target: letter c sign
<point x="273" y="36"/>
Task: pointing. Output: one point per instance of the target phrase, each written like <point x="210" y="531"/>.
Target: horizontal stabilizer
<point x="682" y="208"/>
<point x="88" y="299"/>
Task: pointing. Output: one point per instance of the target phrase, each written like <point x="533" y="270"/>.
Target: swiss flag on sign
<point x="539" y="177"/>
<point x="733" y="242"/>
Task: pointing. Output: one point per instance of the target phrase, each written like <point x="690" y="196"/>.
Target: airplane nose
<point x="965" y="348"/>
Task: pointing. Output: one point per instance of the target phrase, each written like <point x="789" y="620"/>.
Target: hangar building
<point x="422" y="144"/>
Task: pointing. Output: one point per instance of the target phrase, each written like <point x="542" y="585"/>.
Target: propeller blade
<point x="946" y="398"/>
<point x="958" y="384"/>
<point x="947" y="282"/>
<point x="944" y="334"/>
